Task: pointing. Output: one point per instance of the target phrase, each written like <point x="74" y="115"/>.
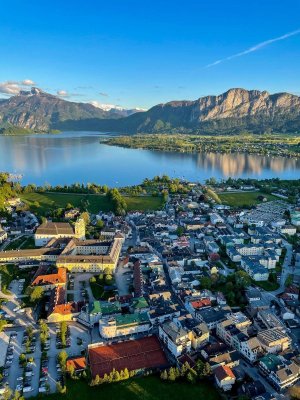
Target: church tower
<point x="80" y="229"/>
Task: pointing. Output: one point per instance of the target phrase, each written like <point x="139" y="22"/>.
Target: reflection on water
<point x="79" y="157"/>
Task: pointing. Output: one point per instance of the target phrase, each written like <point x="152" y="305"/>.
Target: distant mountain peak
<point x="236" y="110"/>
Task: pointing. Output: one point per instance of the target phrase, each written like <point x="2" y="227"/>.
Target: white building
<point x="124" y="325"/>
<point x="175" y="338"/>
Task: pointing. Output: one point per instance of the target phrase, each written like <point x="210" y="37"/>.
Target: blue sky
<point x="140" y="53"/>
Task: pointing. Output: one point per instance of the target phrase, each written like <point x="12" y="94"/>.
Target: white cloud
<point x="28" y="82"/>
<point x="254" y="48"/>
<point x="9" y="87"/>
<point x="62" y="93"/>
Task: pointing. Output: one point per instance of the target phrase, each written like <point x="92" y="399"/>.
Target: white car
<point x="17" y="308"/>
<point x="20" y="378"/>
<point x="19" y="388"/>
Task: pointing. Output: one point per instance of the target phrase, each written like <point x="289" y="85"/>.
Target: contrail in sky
<point x="254" y="48"/>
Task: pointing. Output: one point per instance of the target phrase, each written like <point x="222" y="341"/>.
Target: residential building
<point x="224" y="377"/>
<point x="176" y="338"/>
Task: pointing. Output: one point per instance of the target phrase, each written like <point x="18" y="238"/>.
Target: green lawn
<point x="9" y="272"/>
<point x="147" y="388"/>
<point x="95" y="203"/>
<point x="28" y="243"/>
<point x="267" y="285"/>
<point x="242" y="199"/>
<point x="15" y="244"/>
<point x="98" y="289"/>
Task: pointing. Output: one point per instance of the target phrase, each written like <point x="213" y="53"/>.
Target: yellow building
<point x="56" y="230"/>
<point x="73" y="254"/>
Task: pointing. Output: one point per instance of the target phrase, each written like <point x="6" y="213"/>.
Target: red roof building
<point x="141" y="354"/>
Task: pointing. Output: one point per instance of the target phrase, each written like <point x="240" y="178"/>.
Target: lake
<point x="79" y="157"/>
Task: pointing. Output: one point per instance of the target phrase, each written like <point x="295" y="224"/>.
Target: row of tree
<point x="200" y="371"/>
<point x="113" y="376"/>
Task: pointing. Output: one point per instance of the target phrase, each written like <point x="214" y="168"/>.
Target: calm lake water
<point x="79" y="157"/>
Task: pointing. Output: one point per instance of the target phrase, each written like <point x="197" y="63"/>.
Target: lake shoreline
<point x="84" y="157"/>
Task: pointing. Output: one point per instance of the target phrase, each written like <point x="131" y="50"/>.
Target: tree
<point x="3" y="323"/>
<point x="289" y="280"/>
<point x="69" y="206"/>
<point x="205" y="282"/>
<point x="294" y="392"/>
<point x="71" y="370"/>
<point x="44" y="330"/>
<point x="17" y="396"/>
<point x="164" y="375"/>
<point x="62" y="359"/>
<point x="100" y="224"/>
<point x="243" y="278"/>
<point x="61" y="389"/>
<point x="86" y="217"/>
<point x="108" y="279"/>
<point x="191" y="376"/>
<point x="22" y="359"/>
<point x="7" y="394"/>
<point x="202" y="369"/>
<point x="63" y="333"/>
<point x="36" y="294"/>
<point x="180" y="231"/>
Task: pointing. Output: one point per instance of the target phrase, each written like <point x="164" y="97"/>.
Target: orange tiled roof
<point x="200" y="303"/>
<point x="51" y="279"/>
<point x="78" y="363"/>
<point x="63" y="309"/>
<point x="223" y="372"/>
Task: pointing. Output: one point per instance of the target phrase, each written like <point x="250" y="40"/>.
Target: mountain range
<point x="41" y="111"/>
<point x="237" y="110"/>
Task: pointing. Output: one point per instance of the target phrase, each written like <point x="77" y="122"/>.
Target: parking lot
<point x="39" y="373"/>
<point x="123" y="277"/>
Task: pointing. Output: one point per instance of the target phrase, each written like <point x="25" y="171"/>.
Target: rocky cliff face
<point x="237" y="110"/>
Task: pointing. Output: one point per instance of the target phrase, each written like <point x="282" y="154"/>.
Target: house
<point x="281" y="373"/>
<point x="199" y="335"/>
<point x="50" y="281"/>
<point x="274" y="340"/>
<point x="230" y="358"/>
<point x="162" y="308"/>
<point x="175" y="338"/>
<point x="288" y="230"/>
<point x="216" y="218"/>
<point x="253" y="389"/>
<point x="295" y="218"/>
<point x="224" y="377"/>
<point x="251" y="349"/>
<point x="211" y="316"/>
<point x="76" y="364"/>
<point x="72" y="213"/>
<point x="3" y="235"/>
<point x="59" y="310"/>
<point x="253" y="294"/>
